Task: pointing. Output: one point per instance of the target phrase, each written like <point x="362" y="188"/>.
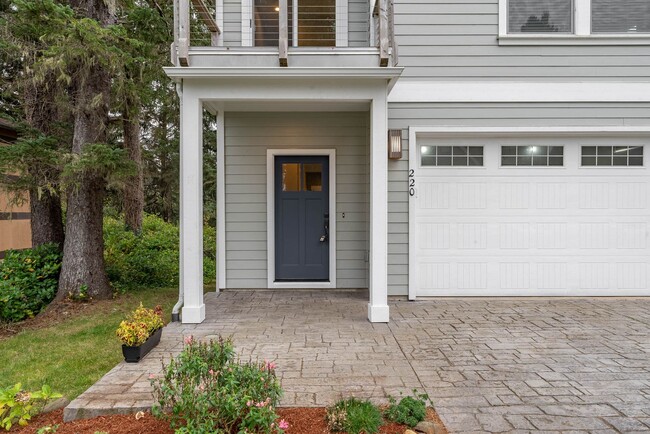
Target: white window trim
<point x="247" y="37"/>
<point x="270" y="212"/>
<point x="581" y="31"/>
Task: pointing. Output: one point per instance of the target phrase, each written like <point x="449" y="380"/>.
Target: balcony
<point x="241" y="35"/>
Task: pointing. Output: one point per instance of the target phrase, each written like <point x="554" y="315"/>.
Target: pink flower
<point x="211" y="372"/>
<point x="152" y="376"/>
<point x="283" y="424"/>
<point x="249" y="403"/>
<point x="269" y="365"/>
<point x="188" y="340"/>
<point x="201" y="387"/>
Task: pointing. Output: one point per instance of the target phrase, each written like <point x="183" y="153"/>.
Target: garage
<point x="537" y="213"/>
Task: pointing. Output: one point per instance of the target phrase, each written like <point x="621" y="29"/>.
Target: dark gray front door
<point x="301" y="218"/>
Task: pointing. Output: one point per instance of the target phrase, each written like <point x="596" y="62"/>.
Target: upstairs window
<point x="620" y="16"/>
<point x="540" y="16"/>
<point x="570" y="22"/>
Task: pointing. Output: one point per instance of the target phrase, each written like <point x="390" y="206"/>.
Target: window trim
<point x="582" y="31"/>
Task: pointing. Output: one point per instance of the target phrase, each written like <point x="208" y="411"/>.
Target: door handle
<point x="326" y="235"/>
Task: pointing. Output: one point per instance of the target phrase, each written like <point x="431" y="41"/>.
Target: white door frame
<point x="270" y="213"/>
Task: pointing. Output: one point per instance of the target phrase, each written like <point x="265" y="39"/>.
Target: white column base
<point x="378" y="313"/>
<point x="193" y="315"/>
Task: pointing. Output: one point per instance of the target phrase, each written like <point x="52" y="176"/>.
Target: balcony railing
<point x="316" y="24"/>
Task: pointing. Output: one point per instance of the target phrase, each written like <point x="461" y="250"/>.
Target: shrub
<point x="18" y="406"/>
<point x="149" y="258"/>
<point x="409" y="411"/>
<point x="141" y="324"/>
<point x="354" y="417"/>
<point x="28" y="281"/>
<point x="203" y="390"/>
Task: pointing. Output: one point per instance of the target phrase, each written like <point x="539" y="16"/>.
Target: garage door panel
<point x="531" y="231"/>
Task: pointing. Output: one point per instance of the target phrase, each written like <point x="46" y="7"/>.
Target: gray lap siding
<point x="248" y="136"/>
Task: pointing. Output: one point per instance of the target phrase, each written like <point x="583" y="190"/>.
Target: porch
<point x="490" y="365"/>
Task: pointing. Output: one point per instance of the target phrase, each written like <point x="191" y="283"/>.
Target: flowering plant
<point x="206" y="390"/>
<point x="141" y="324"/>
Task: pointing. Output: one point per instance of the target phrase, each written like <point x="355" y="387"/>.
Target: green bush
<point x="203" y="390"/>
<point x="28" y="281"/>
<point x="409" y="411"/>
<point x="150" y="258"/>
<point x="354" y="417"/>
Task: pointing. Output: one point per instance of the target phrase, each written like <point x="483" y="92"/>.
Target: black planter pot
<point x="134" y="354"/>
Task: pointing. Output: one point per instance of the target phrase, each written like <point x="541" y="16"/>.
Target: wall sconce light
<point x="394" y="144"/>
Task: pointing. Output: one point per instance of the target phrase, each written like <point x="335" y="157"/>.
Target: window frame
<point x="581" y="31"/>
<point x="612" y="166"/>
<point x="548" y="156"/>
<point x="421" y="155"/>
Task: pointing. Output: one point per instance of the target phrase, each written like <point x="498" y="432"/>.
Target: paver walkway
<point x="490" y="365"/>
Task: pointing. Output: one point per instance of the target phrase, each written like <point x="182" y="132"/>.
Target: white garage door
<point x="522" y="217"/>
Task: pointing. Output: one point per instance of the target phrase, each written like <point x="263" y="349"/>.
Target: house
<point x="15" y="224"/>
<point x="419" y="147"/>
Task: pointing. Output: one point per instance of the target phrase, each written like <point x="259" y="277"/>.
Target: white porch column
<point x="191" y="201"/>
<point x="378" y="306"/>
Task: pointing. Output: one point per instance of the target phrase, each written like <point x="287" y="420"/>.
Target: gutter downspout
<point x="176" y="315"/>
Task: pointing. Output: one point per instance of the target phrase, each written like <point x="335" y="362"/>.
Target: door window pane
<point x="540" y="16"/>
<point x="290" y="176"/>
<point x="612" y="155"/>
<point x="312" y="177"/>
<point x="266" y="22"/>
<point x="620" y="16"/>
<point x="532" y="155"/>
<point x="451" y="155"/>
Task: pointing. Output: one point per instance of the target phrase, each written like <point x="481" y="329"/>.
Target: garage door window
<point x="532" y="155"/>
<point x="612" y="155"/>
<point x="451" y="155"/>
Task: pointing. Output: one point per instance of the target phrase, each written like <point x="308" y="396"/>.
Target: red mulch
<point x="301" y="421"/>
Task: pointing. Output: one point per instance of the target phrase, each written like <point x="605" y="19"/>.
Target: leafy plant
<point x="47" y="429"/>
<point x="354" y="417"/>
<point x="150" y="258"/>
<point x="141" y="324"/>
<point x="28" y="281"/>
<point x="18" y="406"/>
<point x="410" y="410"/>
<point x="203" y="390"/>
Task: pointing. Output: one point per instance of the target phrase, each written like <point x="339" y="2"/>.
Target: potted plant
<point x="140" y="332"/>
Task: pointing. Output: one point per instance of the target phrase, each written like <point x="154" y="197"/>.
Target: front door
<point x="301" y="218"/>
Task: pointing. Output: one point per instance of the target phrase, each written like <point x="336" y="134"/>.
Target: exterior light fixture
<point x="394" y="144"/>
<point x="277" y="9"/>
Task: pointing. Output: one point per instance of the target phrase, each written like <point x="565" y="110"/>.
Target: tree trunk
<point x="47" y="220"/>
<point x="134" y="188"/>
<point x="41" y="113"/>
<point x="82" y="272"/>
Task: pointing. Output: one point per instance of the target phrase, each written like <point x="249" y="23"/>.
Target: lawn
<point x="71" y="354"/>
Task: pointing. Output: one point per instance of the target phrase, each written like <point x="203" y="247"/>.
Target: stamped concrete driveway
<point x="490" y="365"/>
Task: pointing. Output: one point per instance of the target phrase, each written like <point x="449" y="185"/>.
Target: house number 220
<point x="411" y="182"/>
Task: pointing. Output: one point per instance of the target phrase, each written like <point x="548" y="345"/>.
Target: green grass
<point x="74" y="353"/>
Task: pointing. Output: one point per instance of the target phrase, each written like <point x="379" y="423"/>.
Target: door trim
<point x="270" y="219"/>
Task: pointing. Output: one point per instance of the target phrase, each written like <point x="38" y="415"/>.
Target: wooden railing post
<point x="184" y="32"/>
<point x="383" y="32"/>
<point x="283" y="38"/>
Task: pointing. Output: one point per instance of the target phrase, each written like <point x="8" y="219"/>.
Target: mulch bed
<point x="301" y="421"/>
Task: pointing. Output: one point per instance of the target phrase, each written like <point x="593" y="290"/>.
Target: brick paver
<point x="490" y="365"/>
